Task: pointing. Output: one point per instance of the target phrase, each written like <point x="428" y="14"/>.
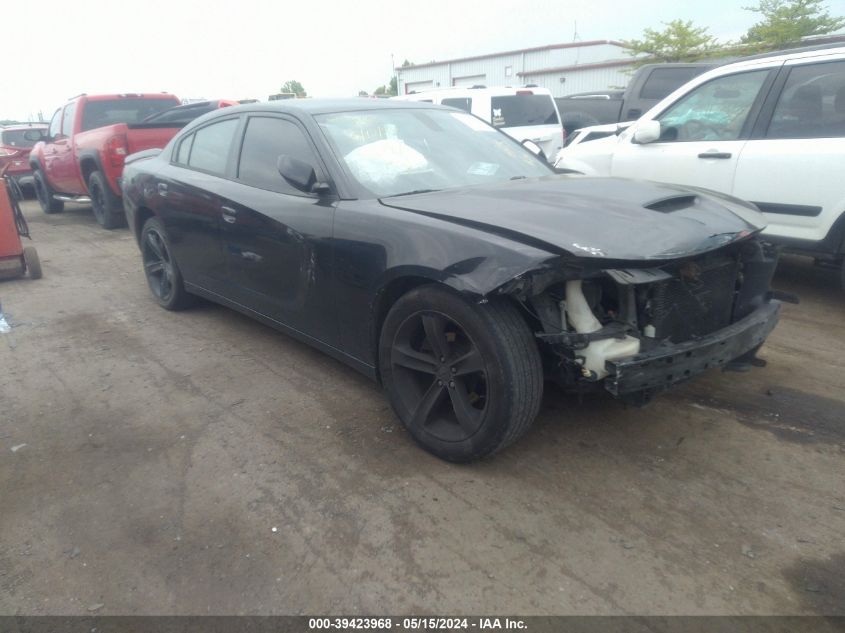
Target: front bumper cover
<point x="662" y="367"/>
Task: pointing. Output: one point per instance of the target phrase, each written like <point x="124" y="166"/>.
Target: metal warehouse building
<point x="562" y="68"/>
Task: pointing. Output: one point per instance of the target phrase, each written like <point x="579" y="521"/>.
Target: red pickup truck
<point x="88" y="139"/>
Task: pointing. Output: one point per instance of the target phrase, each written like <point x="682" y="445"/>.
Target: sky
<point x="240" y="49"/>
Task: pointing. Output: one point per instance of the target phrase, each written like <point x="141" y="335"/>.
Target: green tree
<point x="295" y="87"/>
<point x="363" y="93"/>
<point x="381" y="90"/>
<point x="785" y="22"/>
<point x="392" y="88"/>
<point x="680" y="41"/>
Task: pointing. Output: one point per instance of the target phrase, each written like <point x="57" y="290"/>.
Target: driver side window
<point x="714" y="111"/>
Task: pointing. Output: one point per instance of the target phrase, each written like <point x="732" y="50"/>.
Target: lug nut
<point x="454" y="370"/>
<point x="451" y="384"/>
<point x="440" y="383"/>
<point x="442" y="359"/>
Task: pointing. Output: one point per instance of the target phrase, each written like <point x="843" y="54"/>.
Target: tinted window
<point x="523" y="110"/>
<point x="663" y="81"/>
<point x="184" y="150"/>
<point x="265" y="140"/>
<point x="211" y="144"/>
<point x="68" y="119"/>
<point x="129" y="110"/>
<point x="812" y="104"/>
<point x="462" y="104"/>
<point x="22" y="138"/>
<point x="714" y="111"/>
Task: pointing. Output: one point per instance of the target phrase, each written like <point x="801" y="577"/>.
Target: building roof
<point x="560" y="69"/>
<point x="535" y="49"/>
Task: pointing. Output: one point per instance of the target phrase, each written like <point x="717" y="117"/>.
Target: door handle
<point x="714" y="154"/>
<point x="229" y="214"/>
<point x="162" y="189"/>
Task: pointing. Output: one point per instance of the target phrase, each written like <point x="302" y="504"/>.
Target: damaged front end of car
<point x="638" y="328"/>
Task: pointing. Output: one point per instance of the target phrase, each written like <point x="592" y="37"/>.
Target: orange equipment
<point x="15" y="259"/>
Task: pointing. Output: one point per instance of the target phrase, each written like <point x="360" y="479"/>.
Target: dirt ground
<point x="199" y="462"/>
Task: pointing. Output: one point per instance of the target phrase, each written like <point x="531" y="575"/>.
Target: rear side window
<point x="210" y="149"/>
<point x="70" y="116"/>
<point x="464" y="104"/>
<point x="523" y="110"/>
<point x="662" y="81"/>
<point x="184" y="150"/>
<point x="812" y="103"/>
<point x="265" y="140"/>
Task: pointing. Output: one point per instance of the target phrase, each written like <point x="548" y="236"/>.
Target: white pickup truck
<point x="769" y="129"/>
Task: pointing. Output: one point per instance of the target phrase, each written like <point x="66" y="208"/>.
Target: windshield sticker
<point x="498" y="119"/>
<point x="483" y="169"/>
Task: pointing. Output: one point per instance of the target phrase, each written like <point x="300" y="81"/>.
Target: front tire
<point x="107" y="207"/>
<point x="45" y="195"/>
<point x="163" y="274"/>
<point x="464" y="378"/>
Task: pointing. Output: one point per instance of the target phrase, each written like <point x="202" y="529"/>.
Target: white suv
<point x="524" y="114"/>
<point x="769" y="129"/>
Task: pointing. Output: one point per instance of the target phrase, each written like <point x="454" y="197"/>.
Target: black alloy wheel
<point x="464" y="377"/>
<point x="158" y="266"/>
<point x="440" y="375"/>
<point x="161" y="270"/>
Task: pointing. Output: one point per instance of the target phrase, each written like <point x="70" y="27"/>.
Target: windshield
<point x="523" y="110"/>
<point x="129" y="110"/>
<point x="392" y="152"/>
<point x="22" y="138"/>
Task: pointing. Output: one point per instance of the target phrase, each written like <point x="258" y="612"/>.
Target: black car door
<point x="189" y="194"/>
<point x="276" y="238"/>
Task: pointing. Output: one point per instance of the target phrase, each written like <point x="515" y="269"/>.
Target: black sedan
<point x="435" y="254"/>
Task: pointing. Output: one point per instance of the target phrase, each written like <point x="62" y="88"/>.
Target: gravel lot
<point x="199" y="462"/>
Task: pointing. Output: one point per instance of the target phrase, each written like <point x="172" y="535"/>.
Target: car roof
<point x="326" y="106"/>
<point x="22" y="126"/>
<point x="468" y="91"/>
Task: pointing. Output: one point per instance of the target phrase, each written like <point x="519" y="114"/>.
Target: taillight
<point x="117" y="149"/>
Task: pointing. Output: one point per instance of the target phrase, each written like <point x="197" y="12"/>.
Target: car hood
<point x="598" y="218"/>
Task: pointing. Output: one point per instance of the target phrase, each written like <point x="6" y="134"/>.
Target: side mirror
<point x="647" y="132"/>
<point x="535" y="149"/>
<point x="300" y="174"/>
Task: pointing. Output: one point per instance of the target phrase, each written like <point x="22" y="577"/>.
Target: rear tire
<point x="163" y="275"/>
<point x="45" y="194"/>
<point x="464" y="378"/>
<point x="107" y="207"/>
<point x="32" y="262"/>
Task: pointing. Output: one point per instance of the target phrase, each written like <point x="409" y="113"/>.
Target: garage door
<point x="418" y="86"/>
<point x="469" y="81"/>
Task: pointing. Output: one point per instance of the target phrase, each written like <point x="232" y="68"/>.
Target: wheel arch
<point x="142" y="214"/>
<point x="401" y="284"/>
<point x="89" y="162"/>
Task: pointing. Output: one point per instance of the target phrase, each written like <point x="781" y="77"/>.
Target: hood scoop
<point x="672" y="203"/>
